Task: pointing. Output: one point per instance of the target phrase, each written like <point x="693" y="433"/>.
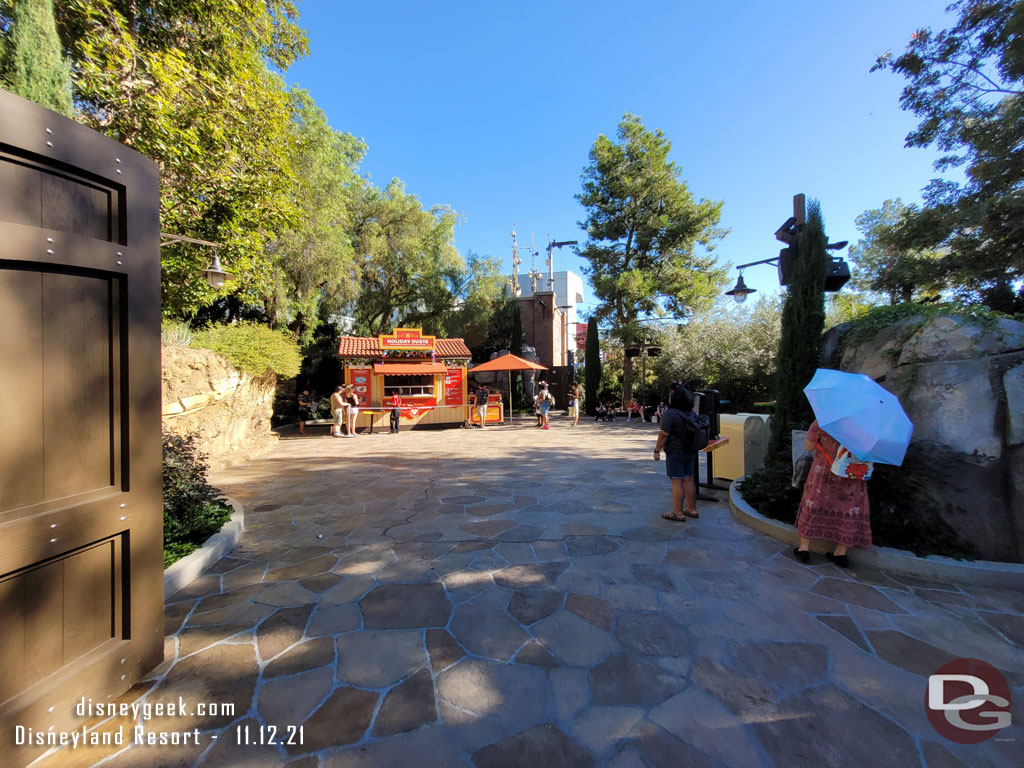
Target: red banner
<point x="361" y="380"/>
<point x="453" y="386"/>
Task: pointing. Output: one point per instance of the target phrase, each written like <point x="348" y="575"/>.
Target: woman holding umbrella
<point x="832" y="508"/>
<point x="857" y="417"/>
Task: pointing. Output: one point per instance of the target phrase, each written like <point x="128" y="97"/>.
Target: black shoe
<point x="802" y="555"/>
<point x="841" y="560"/>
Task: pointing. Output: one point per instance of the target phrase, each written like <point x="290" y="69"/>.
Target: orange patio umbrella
<point x="508" y="362"/>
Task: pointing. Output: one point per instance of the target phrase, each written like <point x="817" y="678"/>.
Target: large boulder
<point x="961" y="381"/>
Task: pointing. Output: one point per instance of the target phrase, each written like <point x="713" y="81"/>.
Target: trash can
<point x="745" y="452"/>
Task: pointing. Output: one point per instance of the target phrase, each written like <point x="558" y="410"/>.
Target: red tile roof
<point x="368" y="346"/>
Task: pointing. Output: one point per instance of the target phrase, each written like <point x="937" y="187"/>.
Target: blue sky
<point x="491" y="108"/>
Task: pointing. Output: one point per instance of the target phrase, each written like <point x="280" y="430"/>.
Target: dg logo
<point x="968" y="701"/>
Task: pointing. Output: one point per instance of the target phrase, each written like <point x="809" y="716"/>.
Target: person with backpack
<point x="834" y="506"/>
<point x="546" y="401"/>
<point x="481" y="398"/>
<point x="683" y="433"/>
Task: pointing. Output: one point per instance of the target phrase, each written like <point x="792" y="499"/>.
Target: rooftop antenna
<point x="516" y="290"/>
<point x="534" y="274"/>
<point x="551" y="258"/>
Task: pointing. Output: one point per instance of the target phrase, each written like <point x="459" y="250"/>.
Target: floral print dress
<point x="833" y="508"/>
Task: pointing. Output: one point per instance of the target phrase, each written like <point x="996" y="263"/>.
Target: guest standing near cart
<point x="680" y="461"/>
<point x="574" y="402"/>
<point x="396" y="412"/>
<point x="481" y="398"/>
<point x="351" y="410"/>
<point x="338" y="406"/>
<point x="832" y="508"/>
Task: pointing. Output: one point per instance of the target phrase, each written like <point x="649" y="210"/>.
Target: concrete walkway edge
<point x="214" y="548"/>
<point x="975" y="572"/>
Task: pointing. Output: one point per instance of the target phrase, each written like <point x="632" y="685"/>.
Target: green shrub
<point x="252" y="348"/>
<point x="175" y="334"/>
<point x="193" y="509"/>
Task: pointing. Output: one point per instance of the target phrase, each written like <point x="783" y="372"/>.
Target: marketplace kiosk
<point x="428" y="373"/>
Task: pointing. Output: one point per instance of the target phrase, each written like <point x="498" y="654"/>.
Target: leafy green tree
<point x="643" y="227"/>
<point x="31" y="62"/>
<point x="803" y="320"/>
<point x="728" y="348"/>
<point x="884" y="264"/>
<point x="592" y="367"/>
<point x="410" y="272"/>
<point x="966" y="84"/>
<point x="187" y="83"/>
<point x="314" y="261"/>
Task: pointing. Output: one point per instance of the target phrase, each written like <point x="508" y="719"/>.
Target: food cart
<point x="428" y="373"/>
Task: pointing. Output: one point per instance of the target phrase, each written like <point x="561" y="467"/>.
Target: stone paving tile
<point x="511" y="604"/>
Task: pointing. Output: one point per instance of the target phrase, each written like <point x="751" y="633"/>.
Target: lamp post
<point x="789" y="233"/>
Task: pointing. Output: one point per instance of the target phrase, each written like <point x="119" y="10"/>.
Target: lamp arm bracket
<point x="773" y="262"/>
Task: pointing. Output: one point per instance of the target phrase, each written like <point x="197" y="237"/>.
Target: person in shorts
<point x="305" y="406"/>
<point x="481" y="397"/>
<point x="546" y="401"/>
<point x="680" y="464"/>
<point x="574" y="403"/>
<point x="338" y="407"/>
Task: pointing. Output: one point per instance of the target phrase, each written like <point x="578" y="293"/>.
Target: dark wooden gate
<point x="81" y="566"/>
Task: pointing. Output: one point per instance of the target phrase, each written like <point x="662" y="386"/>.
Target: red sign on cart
<point x="453" y="386"/>
<point x="361" y="380"/>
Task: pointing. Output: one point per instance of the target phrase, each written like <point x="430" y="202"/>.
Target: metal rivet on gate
<point x="53" y="525"/>
<point x="123" y="676"/>
<point x="49" y="131"/>
<point x="49" y="239"/>
<point x="123" y="505"/>
<point x="118" y="170"/>
<point x="122" y="255"/>
<point x="124" y="517"/>
<point x="119" y="263"/>
<point x="51" y="709"/>
<point x="50" y="251"/>
<point x="123" y="660"/>
<point x="49" y="143"/>
<point x="52" y="541"/>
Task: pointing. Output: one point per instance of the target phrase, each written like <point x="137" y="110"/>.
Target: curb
<point x="213" y="549"/>
<point x="983" y="573"/>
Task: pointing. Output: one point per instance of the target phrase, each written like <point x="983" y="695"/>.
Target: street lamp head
<point x="216" y="276"/>
<point x="741" y="291"/>
<point x="837" y="246"/>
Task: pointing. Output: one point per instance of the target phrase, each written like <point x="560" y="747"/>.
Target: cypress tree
<point x="33" y="66"/>
<point x="803" y="320"/>
<point x="592" y="367"/>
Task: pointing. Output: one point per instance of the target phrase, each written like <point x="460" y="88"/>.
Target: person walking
<point x="832" y="508"/>
<point x="396" y="411"/>
<point x="338" y="406"/>
<point x="574" y="402"/>
<point x="351" y="411"/>
<point x="305" y="407"/>
<point x="481" y="398"/>
<point x="680" y="461"/>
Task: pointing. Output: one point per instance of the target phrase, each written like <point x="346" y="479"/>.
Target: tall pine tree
<point x="33" y="66"/>
<point x="592" y="367"/>
<point x="803" y="320"/>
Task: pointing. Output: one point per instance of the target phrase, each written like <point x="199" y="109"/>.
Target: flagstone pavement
<point x="511" y="597"/>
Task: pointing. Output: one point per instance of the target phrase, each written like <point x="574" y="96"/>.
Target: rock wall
<point x="202" y="392"/>
<point x="961" y="382"/>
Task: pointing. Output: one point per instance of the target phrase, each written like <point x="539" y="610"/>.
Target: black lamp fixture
<point x="215" y="275"/>
<point x="741" y="291"/>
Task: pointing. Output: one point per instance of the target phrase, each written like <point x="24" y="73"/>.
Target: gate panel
<point x="81" y="611"/>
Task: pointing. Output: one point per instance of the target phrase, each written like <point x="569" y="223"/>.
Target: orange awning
<point x="406" y="369"/>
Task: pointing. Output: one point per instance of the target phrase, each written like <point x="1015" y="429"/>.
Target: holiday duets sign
<point x="407" y="338"/>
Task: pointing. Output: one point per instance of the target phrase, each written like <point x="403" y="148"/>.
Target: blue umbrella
<point x="867" y="419"/>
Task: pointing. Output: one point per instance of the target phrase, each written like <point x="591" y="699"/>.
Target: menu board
<point x="453" y="386"/>
<point x="361" y="380"/>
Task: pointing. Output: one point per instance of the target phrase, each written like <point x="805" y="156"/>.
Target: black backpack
<point x="695" y="432"/>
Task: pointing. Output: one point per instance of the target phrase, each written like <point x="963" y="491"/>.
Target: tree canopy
<point x="966" y="84"/>
<point x="31" y="62"/>
<point x="886" y="265"/>
<point x="644" y="228"/>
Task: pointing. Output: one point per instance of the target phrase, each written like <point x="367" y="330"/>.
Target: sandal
<point x="673" y="518"/>
<point x="695" y="514"/>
